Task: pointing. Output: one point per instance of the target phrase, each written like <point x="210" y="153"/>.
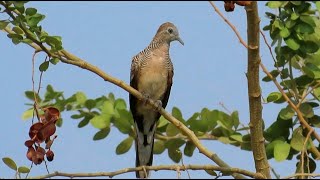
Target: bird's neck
<point x="159" y="42"/>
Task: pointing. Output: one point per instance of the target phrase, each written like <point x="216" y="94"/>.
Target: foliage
<point x="296" y="40"/>
<point x="108" y="111"/>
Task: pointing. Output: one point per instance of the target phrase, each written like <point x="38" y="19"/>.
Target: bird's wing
<point x="166" y="95"/>
<point x="134" y="75"/>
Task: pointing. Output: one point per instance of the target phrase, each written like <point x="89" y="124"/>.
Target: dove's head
<point x="169" y="32"/>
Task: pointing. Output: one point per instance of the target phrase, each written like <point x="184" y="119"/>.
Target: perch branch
<point x="153" y="168"/>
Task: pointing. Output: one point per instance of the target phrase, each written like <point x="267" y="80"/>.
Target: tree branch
<point x="301" y="174"/>
<point x="69" y="58"/>
<point x="153" y="168"/>
<point x="254" y="91"/>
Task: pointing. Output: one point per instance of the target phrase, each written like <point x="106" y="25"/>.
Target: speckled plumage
<point x="151" y="74"/>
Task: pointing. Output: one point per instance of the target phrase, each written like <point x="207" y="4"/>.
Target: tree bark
<point x="254" y="91"/>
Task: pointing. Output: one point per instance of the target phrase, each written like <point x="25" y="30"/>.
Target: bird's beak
<point x="180" y="40"/>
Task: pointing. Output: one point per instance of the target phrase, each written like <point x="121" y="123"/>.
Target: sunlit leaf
<point x="10" y="163"/>
<point x="281" y="151"/>
<point x="159" y="147"/>
<point x="23" y="169"/>
<point x="124" y="146"/>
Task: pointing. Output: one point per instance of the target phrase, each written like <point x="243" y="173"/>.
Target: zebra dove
<point x="151" y="74"/>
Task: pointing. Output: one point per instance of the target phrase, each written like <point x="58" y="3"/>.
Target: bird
<point x="151" y="74"/>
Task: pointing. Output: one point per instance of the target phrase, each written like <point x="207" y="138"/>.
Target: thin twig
<point x="301" y="174"/>
<point x="305" y="94"/>
<point x="275" y="173"/>
<point x="184" y="166"/>
<point x="153" y="168"/>
<point x="303" y="151"/>
<point x="230" y="24"/>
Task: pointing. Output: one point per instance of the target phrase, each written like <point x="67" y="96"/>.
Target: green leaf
<point x="284" y="32"/>
<point x="315" y="121"/>
<point x="318" y="5"/>
<point x="33" y="21"/>
<point x="103" y="133"/>
<point x="297" y="3"/>
<point x="3" y="24"/>
<point x="172" y="130"/>
<point x="107" y="108"/>
<point x="124" y="121"/>
<point x="211" y="172"/>
<point x="279" y="128"/>
<point x="225" y="140"/>
<point x="59" y="122"/>
<point x="54" y="61"/>
<point x="308" y="19"/>
<point x="120" y="104"/>
<point x="44" y="66"/>
<point x="286" y="113"/>
<point x="31" y="11"/>
<point x="30" y="95"/>
<point x="174" y="143"/>
<point x="294" y="16"/>
<point x="281" y="151"/>
<point x="54" y="41"/>
<point x="306" y="110"/>
<point x="27" y="114"/>
<point x="124" y="146"/>
<point x="309" y="47"/>
<point x="304" y="28"/>
<point x="292" y="43"/>
<point x="312" y="71"/>
<point x="23" y="169"/>
<point x="237" y="137"/>
<point x="290" y="23"/>
<point x="274" y="74"/>
<point x="235" y="119"/>
<point x="17" y="30"/>
<point x="10" y="163"/>
<point x="274" y="4"/>
<point x="189" y="148"/>
<point x="174" y="154"/>
<point x="81" y="97"/>
<point x="162" y="121"/>
<point x="84" y="122"/>
<point x="101" y="121"/>
<point x="177" y="114"/>
<point x="274" y="96"/>
<point x="297" y="140"/>
<point x="90" y="104"/>
<point x="270" y="147"/>
<point x="158" y="147"/>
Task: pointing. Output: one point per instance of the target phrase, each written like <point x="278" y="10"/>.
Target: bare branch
<point x="301" y="174"/>
<point x="153" y="168"/>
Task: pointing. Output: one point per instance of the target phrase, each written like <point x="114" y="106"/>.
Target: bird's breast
<point x="153" y="79"/>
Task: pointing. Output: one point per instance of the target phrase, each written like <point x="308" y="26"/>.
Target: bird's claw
<point x="145" y="98"/>
<point x="158" y="104"/>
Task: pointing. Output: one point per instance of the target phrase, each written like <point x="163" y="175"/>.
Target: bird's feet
<point x="158" y="103"/>
<point x="146" y="97"/>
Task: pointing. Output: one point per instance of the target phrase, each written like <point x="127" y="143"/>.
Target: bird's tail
<point x="144" y="151"/>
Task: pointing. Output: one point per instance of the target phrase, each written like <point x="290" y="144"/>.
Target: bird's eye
<point x="170" y="30"/>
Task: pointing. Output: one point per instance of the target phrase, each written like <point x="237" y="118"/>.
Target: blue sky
<point x="209" y="69"/>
